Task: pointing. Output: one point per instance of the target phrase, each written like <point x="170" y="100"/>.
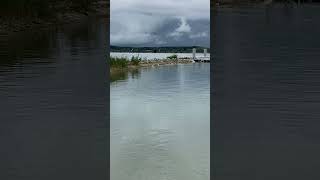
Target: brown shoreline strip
<point x="152" y="63"/>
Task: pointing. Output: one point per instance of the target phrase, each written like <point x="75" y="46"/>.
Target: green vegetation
<point x="173" y="57"/>
<point x="135" y="60"/>
<point x="117" y="62"/>
<point x="123" y="62"/>
<point x="41" y="8"/>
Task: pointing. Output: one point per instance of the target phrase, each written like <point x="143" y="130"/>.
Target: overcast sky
<point x="160" y="22"/>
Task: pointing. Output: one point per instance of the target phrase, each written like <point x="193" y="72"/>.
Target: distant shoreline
<point x="161" y="49"/>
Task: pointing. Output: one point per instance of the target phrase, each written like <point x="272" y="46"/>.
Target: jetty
<point x="201" y="59"/>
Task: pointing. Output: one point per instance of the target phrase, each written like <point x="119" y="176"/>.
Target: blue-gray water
<point x="53" y="103"/>
<point x="266" y="99"/>
<point x="160" y="123"/>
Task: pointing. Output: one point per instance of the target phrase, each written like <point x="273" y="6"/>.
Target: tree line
<point x="186" y="49"/>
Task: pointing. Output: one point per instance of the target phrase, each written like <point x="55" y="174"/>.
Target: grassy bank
<point x="121" y="67"/>
<point x="123" y="63"/>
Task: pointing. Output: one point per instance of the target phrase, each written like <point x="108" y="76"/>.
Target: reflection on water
<point x="123" y="74"/>
<point x="160" y="123"/>
<point x="266" y="84"/>
<point x="53" y="99"/>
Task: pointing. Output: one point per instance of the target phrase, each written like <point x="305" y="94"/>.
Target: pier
<point x="201" y="59"/>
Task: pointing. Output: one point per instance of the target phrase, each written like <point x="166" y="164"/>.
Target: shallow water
<point x="160" y="123"/>
<point x="266" y="93"/>
<point x="53" y="103"/>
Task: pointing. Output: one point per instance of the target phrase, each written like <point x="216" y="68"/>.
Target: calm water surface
<point x="266" y="94"/>
<point x="53" y="103"/>
<point x="160" y="123"/>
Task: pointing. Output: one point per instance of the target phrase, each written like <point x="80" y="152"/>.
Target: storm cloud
<point x="160" y="23"/>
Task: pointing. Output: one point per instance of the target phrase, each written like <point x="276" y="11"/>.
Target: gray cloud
<point x="183" y="28"/>
<point x="199" y="35"/>
<point x="165" y="22"/>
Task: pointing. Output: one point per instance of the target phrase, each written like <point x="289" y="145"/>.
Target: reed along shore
<point x="124" y="64"/>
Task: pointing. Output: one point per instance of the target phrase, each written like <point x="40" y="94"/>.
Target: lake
<point x="266" y="89"/>
<point x="153" y="56"/>
<point x="54" y="103"/>
<point x="160" y="123"/>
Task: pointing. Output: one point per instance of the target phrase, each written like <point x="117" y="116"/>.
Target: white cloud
<point x="182" y="29"/>
<point x="184" y="26"/>
<point x="138" y="21"/>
